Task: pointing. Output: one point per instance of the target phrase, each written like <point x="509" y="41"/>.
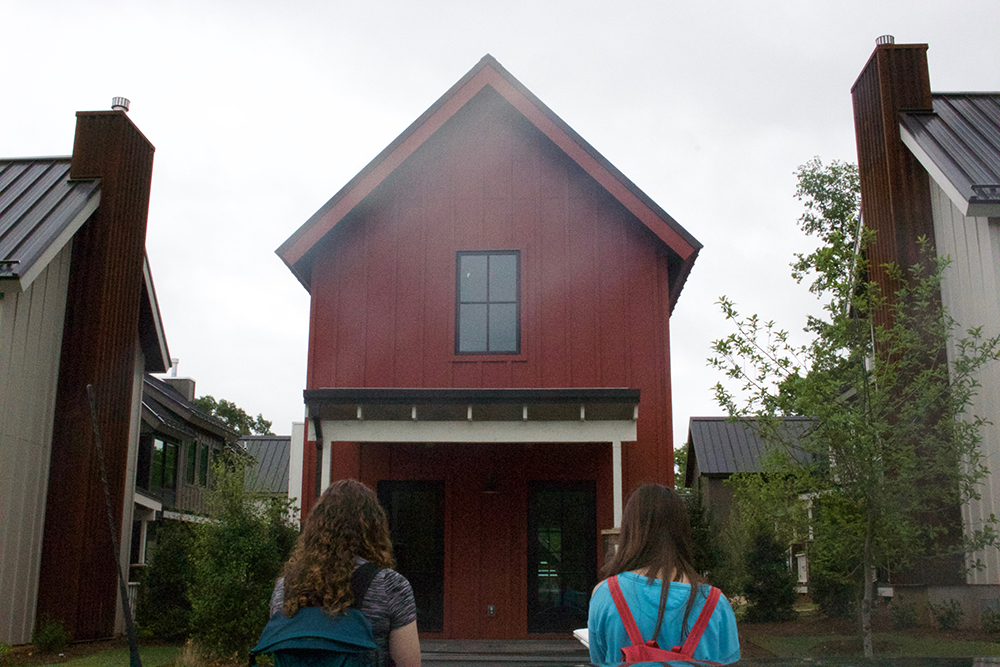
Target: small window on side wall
<point x="488" y="302"/>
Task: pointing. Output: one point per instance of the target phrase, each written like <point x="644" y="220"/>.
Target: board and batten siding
<point x="594" y="289"/>
<point x="970" y="290"/>
<point x="31" y="328"/>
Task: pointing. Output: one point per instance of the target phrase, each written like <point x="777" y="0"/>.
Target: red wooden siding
<point x="594" y="292"/>
<point x="78" y="578"/>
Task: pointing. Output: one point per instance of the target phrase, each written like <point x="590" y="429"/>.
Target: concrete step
<point x="502" y="653"/>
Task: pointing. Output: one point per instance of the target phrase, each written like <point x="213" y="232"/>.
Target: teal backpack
<point x="313" y="638"/>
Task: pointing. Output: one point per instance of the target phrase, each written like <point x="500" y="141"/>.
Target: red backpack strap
<point x="691" y="643"/>
<point x="627" y="620"/>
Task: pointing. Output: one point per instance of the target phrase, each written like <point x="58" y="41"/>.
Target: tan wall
<point x="31" y="325"/>
<point x="970" y="291"/>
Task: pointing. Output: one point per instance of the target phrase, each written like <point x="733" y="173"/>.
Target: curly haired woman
<point x="346" y="529"/>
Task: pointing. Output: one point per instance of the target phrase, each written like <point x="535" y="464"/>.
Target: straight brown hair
<point x="656" y="536"/>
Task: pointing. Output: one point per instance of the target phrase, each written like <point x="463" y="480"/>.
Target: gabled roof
<point x="959" y="146"/>
<point x="270" y="475"/>
<point x="166" y="409"/>
<point x="489" y="73"/>
<point x="720" y="447"/>
<point x="40" y="210"/>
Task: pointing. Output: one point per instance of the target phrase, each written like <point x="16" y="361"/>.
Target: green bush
<point x="770" y="590"/>
<point x="990" y="620"/>
<point x="948" y="614"/>
<point x="5" y="651"/>
<point x="904" y="616"/>
<point x="164" y="609"/>
<point x="50" y="636"/>
<point x="238" y="555"/>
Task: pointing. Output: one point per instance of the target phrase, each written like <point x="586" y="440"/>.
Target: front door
<point x="562" y="554"/>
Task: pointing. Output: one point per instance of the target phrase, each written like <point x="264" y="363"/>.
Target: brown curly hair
<point x="345" y="523"/>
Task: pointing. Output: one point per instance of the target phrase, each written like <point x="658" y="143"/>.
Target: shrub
<point x="5" y="651"/>
<point x="990" y="620"/>
<point x="947" y="614"/>
<point x="771" y="587"/>
<point x="50" y="636"/>
<point x="904" y="616"/>
<point x="238" y="555"/>
<point x="164" y="609"/>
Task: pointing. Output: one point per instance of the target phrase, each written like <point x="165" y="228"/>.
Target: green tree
<point x="237" y="556"/>
<point x="234" y="416"/>
<point x="164" y="609"/>
<point x="680" y="465"/>
<point x="895" y="451"/>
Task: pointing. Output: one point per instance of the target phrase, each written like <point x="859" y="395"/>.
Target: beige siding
<point x="125" y="539"/>
<point x="970" y="293"/>
<point x="31" y="325"/>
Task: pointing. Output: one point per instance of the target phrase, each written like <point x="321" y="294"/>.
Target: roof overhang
<point x="472" y="415"/>
<point x="489" y="73"/>
<point x="959" y="146"/>
<point x="151" y="336"/>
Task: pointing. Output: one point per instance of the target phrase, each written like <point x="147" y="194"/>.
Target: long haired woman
<point x="663" y="591"/>
<point x="346" y="529"/>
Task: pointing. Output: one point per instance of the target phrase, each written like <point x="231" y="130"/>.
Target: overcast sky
<point x="261" y="111"/>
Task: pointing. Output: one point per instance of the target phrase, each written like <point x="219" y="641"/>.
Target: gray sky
<point x="261" y="111"/>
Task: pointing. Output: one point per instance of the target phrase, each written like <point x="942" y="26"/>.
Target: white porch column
<point x="325" y="472"/>
<point x="616" y="465"/>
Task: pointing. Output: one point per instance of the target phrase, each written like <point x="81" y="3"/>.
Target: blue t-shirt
<point x="719" y="643"/>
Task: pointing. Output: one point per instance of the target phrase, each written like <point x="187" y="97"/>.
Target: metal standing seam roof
<point x="40" y="210"/>
<point x="959" y="145"/>
<point x="724" y="447"/>
<point x="270" y="475"/>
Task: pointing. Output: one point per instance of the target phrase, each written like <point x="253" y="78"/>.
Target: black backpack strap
<point x="361" y="580"/>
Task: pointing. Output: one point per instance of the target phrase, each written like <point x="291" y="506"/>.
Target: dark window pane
<point x="472" y="328"/>
<point x="472" y="279"/>
<point x="203" y="470"/>
<point x="503" y="327"/>
<point x="156" y="469"/>
<point x="169" y="465"/>
<point x="192" y="459"/>
<point x="503" y="278"/>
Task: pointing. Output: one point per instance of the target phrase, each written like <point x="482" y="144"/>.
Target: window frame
<point x="488" y="302"/>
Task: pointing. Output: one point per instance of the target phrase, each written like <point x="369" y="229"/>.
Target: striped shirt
<point x="388" y="604"/>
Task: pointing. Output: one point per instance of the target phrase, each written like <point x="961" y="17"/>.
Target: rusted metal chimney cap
<point x="885" y="39"/>
<point x="119" y="104"/>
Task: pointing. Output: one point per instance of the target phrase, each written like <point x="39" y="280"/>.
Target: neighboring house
<point x="177" y="445"/>
<point x="269" y="477"/>
<point x="930" y="166"/>
<point x="77" y="308"/>
<point x="489" y="349"/>
<point x="718" y="448"/>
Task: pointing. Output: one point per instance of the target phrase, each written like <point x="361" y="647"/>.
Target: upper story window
<point x="157" y="465"/>
<point x="488" y="308"/>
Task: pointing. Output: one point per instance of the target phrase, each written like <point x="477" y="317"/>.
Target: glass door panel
<point x="562" y="554"/>
<point x="416" y="526"/>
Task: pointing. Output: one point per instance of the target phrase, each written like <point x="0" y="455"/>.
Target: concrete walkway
<point x="502" y="653"/>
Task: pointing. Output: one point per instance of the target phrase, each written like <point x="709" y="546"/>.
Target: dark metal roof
<point x="171" y="409"/>
<point x="270" y="475"/>
<point x="959" y="145"/>
<point x="40" y="210"/>
<point x="723" y="447"/>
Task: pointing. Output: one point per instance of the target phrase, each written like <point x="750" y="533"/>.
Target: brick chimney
<point x="895" y="191"/>
<point x="78" y="578"/>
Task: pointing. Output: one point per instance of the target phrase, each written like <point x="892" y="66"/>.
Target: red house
<point x="489" y="348"/>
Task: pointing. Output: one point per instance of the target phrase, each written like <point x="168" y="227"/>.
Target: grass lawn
<point x="97" y="654"/>
<point x="887" y="645"/>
